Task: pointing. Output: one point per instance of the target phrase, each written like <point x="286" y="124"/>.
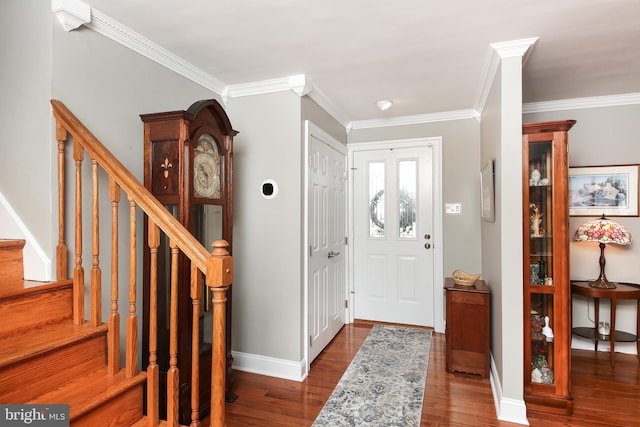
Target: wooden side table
<point x="622" y="291"/>
<point x="468" y="331"/>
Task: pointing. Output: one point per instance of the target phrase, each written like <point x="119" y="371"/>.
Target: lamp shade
<point x="603" y="230"/>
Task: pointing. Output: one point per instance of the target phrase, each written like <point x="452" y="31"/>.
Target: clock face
<point x="206" y="168"/>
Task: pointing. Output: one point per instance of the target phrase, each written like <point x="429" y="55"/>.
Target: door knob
<point x="427" y="236"/>
<point x="427" y="245"/>
<point x="332" y="254"/>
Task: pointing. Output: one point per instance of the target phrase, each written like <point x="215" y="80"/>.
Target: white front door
<point x="393" y="227"/>
<point x="327" y="196"/>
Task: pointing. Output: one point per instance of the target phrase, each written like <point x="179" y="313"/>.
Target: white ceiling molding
<point x="514" y="48"/>
<point x="497" y="52"/>
<point x="325" y="103"/>
<point x="117" y="32"/>
<point x="71" y="13"/>
<point x="74" y="13"/>
<point x="579" y="103"/>
<point x="488" y="74"/>
<point x="300" y="84"/>
<point x="415" y="119"/>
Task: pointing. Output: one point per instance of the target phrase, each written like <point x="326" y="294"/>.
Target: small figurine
<point x="546" y="330"/>
<point x="535" y="177"/>
<point x="535" y="217"/>
<point x="604" y="328"/>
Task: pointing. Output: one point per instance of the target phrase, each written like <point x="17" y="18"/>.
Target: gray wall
<point x="502" y="239"/>
<point x="318" y="116"/>
<point x="602" y="136"/>
<point x="26" y="149"/>
<point x="267" y="294"/>
<point x="106" y="86"/>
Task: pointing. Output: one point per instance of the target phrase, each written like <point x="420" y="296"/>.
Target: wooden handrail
<point x="217" y="266"/>
<point x="187" y="243"/>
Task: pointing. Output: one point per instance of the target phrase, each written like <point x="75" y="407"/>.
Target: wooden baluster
<point x="95" y="316"/>
<point x="219" y="278"/>
<point x="113" y="364"/>
<point x="61" y="249"/>
<point x="132" y="320"/>
<point x="173" y="372"/>
<point x="196" y="296"/>
<point x="78" y="271"/>
<point x="153" y="370"/>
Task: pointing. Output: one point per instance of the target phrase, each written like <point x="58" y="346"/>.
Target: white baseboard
<point x="511" y="410"/>
<point x="270" y="366"/>
<point x="580" y="343"/>
<point x="37" y="265"/>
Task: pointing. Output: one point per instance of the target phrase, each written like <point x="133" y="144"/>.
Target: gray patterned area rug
<point x="384" y="384"/>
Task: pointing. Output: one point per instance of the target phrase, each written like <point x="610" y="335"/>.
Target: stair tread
<point x="143" y="422"/>
<point x="89" y="391"/>
<point x="16" y="288"/>
<point x="42" y="339"/>
<point x="12" y="243"/>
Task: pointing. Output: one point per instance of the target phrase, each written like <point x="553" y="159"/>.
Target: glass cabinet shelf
<point x="546" y="296"/>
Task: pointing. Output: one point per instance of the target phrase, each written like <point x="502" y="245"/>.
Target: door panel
<point x="393" y="221"/>
<point x="327" y="233"/>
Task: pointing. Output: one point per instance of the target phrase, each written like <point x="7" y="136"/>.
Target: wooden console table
<point x="468" y="331"/>
<point x="623" y="291"/>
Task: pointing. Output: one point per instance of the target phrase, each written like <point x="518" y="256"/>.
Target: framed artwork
<point x="487" y="192"/>
<point x="603" y="190"/>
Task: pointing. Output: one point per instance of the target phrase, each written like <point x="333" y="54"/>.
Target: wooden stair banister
<point x="187" y="243"/>
<point x="216" y="266"/>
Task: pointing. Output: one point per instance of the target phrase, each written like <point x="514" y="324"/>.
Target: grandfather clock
<point x="188" y="167"/>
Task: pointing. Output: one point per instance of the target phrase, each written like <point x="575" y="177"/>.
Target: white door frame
<point x="438" y="290"/>
<point x="311" y="130"/>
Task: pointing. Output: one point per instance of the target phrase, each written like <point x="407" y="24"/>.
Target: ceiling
<point x="426" y="56"/>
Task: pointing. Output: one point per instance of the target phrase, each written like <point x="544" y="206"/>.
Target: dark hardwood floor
<point x="602" y="396"/>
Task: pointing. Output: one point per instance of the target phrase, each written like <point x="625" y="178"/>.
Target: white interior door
<point x="392" y="243"/>
<point x="327" y="233"/>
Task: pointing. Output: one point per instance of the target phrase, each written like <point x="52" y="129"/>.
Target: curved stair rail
<point x="217" y="266"/>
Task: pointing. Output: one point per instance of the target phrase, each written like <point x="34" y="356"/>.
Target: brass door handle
<point x="427" y="245"/>
<point x="332" y="254"/>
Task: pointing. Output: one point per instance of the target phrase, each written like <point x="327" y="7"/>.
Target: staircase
<point x="51" y="354"/>
<point x="46" y="359"/>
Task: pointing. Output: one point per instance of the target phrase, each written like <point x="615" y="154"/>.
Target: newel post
<point x="219" y="278"/>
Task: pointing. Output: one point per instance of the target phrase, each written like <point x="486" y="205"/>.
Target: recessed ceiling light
<point x="384" y="104"/>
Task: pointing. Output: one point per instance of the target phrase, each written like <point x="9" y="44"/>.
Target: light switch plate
<point x="453" y="208"/>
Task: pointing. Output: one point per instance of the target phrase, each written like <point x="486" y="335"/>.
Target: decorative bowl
<point x="464" y="279"/>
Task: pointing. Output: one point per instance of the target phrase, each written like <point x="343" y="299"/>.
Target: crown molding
<point x="298" y="84"/>
<point x="497" y="52"/>
<point x="580" y="103"/>
<point x="117" y="32"/>
<point x="71" y="13"/>
<point x="326" y="104"/>
<point x="415" y="119"/>
<point x="514" y="48"/>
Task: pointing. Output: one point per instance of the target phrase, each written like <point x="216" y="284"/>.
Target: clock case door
<point x="170" y="141"/>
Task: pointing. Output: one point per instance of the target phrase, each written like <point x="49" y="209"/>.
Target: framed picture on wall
<point x="487" y="192"/>
<point x="603" y="190"/>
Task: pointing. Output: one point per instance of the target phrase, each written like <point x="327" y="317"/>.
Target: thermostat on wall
<point x="269" y="189"/>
